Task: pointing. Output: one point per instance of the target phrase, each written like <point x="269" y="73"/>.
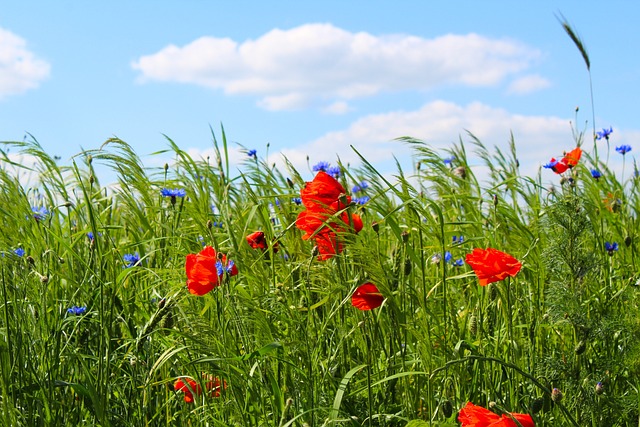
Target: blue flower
<point x="177" y="192"/>
<point x="39" y="213"/>
<point x="252" y="153"/>
<point x="76" y="310"/>
<point x="436" y="258"/>
<point x="458" y="263"/>
<point x="611" y="247"/>
<point x="217" y="224"/>
<point x="449" y="160"/>
<point x="604" y="133"/>
<point x="321" y="166"/>
<point x="201" y="240"/>
<point x="221" y="268"/>
<point x="596" y="173"/>
<point x="334" y="171"/>
<point x="458" y="239"/>
<point x="297" y="200"/>
<point x="131" y="259"/>
<point x="359" y="187"/>
<point x="623" y="149"/>
<point x="552" y="164"/>
<point x="361" y="200"/>
<point x="447" y="256"/>
<point x="19" y="252"/>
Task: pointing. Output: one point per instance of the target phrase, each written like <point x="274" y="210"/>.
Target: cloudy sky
<point x="312" y="79"/>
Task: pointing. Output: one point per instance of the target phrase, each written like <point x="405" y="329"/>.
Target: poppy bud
<point x="407" y="267"/>
<point x="44" y="279"/>
<point x="166" y="167"/>
<point x="209" y="224"/>
<point x="375" y="226"/>
<point x="495" y="200"/>
<point x="627" y="241"/>
<point x="536" y="405"/>
<point x="405" y="236"/>
<point x="599" y="388"/>
<point x="556" y="395"/>
<point x="290" y="183"/>
<point x="447" y="408"/>
<point x="315" y="251"/>
<point x="30" y="260"/>
<point x="91" y="179"/>
<point x="162" y="303"/>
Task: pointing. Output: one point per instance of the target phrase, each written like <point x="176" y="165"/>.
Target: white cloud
<point x="338" y="107"/>
<point x="20" y="69"/>
<point x="528" y="84"/>
<point x="290" y="68"/>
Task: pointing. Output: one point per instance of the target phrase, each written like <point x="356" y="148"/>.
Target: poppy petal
<point x="367" y="297"/>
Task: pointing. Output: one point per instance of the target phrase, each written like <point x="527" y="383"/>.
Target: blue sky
<point x="311" y="79"/>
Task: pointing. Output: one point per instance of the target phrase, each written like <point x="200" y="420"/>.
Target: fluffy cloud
<point x="319" y="64"/>
<point x="20" y="69"/>
<point x="528" y="84"/>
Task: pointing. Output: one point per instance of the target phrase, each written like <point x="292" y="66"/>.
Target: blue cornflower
<point x="447" y="256"/>
<point x="458" y="239"/>
<point x="76" y="310"/>
<point x="552" y="164"/>
<point x="361" y="200"/>
<point x="611" y="247"/>
<point x="596" y="173"/>
<point x="19" y="252"/>
<point x="217" y="224"/>
<point x="221" y="268"/>
<point x="436" y="258"/>
<point x="201" y="240"/>
<point x="39" y="213"/>
<point x="623" y="149"/>
<point x="173" y="193"/>
<point x="449" y="160"/>
<point x="297" y="200"/>
<point x="321" y="166"/>
<point x="334" y="171"/>
<point x="458" y="263"/>
<point x="604" y="133"/>
<point x="252" y="153"/>
<point x="359" y="187"/>
<point x="131" y="259"/>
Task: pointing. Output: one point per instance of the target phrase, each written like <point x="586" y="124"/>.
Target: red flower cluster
<point x="367" y="297"/>
<point x="491" y="265"/>
<point x="569" y="160"/>
<point x="257" y="240"/>
<point x="477" y="416"/>
<point x="206" y="269"/>
<point x="189" y="386"/>
<point x="323" y="199"/>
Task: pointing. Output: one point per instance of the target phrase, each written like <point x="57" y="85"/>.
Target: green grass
<point x="283" y="333"/>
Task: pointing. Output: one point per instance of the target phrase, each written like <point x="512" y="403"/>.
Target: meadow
<point x="207" y="294"/>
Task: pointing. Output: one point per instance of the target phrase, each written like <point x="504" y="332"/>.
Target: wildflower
<point x="599" y="388"/>
<point x="203" y="270"/>
<point x="19" y="252"/>
<point x="75" y="310"/>
<point x="611" y="247"/>
<point x="40" y="213"/>
<point x="556" y="395"/>
<point x="556" y="166"/>
<point x="458" y="239"/>
<point x="458" y="263"/>
<point x="321" y="166"/>
<point x="460" y="171"/>
<point x="436" y="258"/>
<point x="173" y="193"/>
<point x="189" y="386"/>
<point x="367" y="297"/>
<point x="201" y="240"/>
<point x="596" y="174"/>
<point x="334" y="171"/>
<point x="491" y="265"/>
<point x="131" y="259"/>
<point x="447" y="256"/>
<point x="361" y="200"/>
<point x="604" y="133"/>
<point x="252" y="153"/>
<point x="477" y="416"/>
<point x="569" y="160"/>
<point x="324" y="218"/>
<point x="297" y="200"/>
<point x="449" y="160"/>
<point x="623" y="149"/>
<point x="360" y="187"/>
<point x="257" y="240"/>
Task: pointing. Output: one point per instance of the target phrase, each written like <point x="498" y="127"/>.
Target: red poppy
<point x="324" y="197"/>
<point x="572" y="157"/>
<point x="491" y="265"/>
<point x="367" y="297"/>
<point x="189" y="386"/>
<point x="477" y="416"/>
<point x="205" y="269"/>
<point x="558" y="166"/>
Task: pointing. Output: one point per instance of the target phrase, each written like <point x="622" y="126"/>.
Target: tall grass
<point x="283" y="334"/>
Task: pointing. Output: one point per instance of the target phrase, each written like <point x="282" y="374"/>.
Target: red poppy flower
<point x="324" y="197"/>
<point x="189" y="386"/>
<point x="205" y="269"/>
<point x="572" y="157"/>
<point x="367" y="297"/>
<point x="491" y="265"/>
<point x="477" y="416"/>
